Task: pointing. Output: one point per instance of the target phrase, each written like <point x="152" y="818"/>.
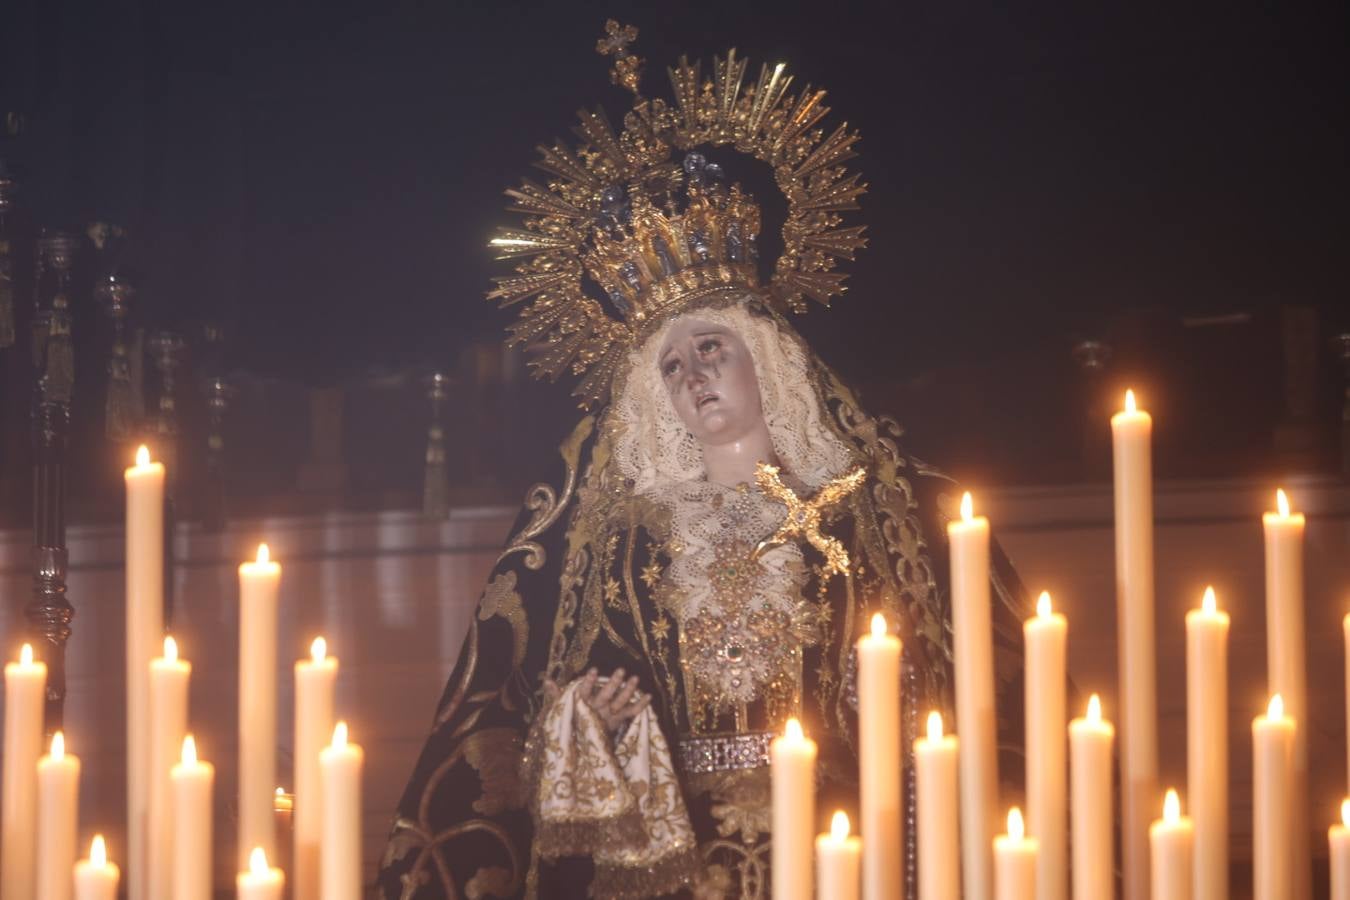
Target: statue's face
<point x="710" y="376"/>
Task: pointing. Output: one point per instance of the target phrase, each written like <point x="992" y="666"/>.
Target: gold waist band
<point x="725" y="752"/>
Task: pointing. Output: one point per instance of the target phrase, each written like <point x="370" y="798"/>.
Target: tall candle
<point x="1272" y="806"/>
<point x="25" y="684"/>
<point x="58" y="775"/>
<point x="1207" y="744"/>
<point x="95" y="877"/>
<point x="1345" y="628"/>
<point x="314" y="679"/>
<point x="258" y="583"/>
<point x="975" y="720"/>
<point x="1014" y="861"/>
<point x="145" y="628"/>
<point x="1338" y="839"/>
<point x="260" y="881"/>
<point x="1286" y="669"/>
<point x="880" y="760"/>
<point x="1090" y="740"/>
<point x="792" y="760"/>
<point x="192" y="781"/>
<point x="936" y="798"/>
<point x="1171" y="839"/>
<point x="1132" y="436"/>
<point x="340" y="853"/>
<point x="1047" y="747"/>
<point x="168" y="723"/>
<point x="837" y="858"/>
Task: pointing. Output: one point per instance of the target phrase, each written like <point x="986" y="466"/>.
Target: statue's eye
<point x="711" y="345"/>
<point x="670" y="367"/>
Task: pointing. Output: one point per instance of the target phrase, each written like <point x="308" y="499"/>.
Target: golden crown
<point x="656" y="235"/>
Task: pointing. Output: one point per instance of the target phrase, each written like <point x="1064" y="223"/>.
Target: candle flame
<point x="340" y="734"/>
<point x="318" y="649"/>
<point x="1171" y="807"/>
<point x="281" y="791"/>
<point x="793" y="730"/>
<point x="1043" y="605"/>
<point x="879" y="627"/>
<point x="264" y="555"/>
<point x="839" y="825"/>
<point x="58" y="750"/>
<point x="26" y="655"/>
<point x="170" y="649"/>
<point x="98" y="851"/>
<point x="257" y="861"/>
<point x="1016" y="827"/>
<point x="1275" y="710"/>
<point x="1209" y="604"/>
<point x="142" y="455"/>
<point x="189" y="754"/>
<point x="967" y="507"/>
<point x="935" y="726"/>
<point x="1094" y="710"/>
<point x="1129" y="402"/>
<point x="1282" y="502"/>
<point x="1345" y="812"/>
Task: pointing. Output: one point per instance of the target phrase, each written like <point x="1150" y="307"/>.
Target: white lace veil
<point x="652" y="447"/>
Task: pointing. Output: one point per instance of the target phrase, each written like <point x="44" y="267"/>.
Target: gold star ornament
<point x="803" y="516"/>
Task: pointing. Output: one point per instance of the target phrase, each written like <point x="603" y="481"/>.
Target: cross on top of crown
<point x="616" y="40"/>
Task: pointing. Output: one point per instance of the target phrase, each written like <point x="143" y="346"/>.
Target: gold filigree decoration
<point x="500" y="598"/>
<point x="804" y="516"/>
<point x="545" y="504"/>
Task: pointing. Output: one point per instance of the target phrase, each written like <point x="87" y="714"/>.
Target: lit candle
<point x="25" y="684"/>
<point x="1170" y="839"/>
<point x="1047" y="747"/>
<point x="192" y="780"/>
<point x="1345" y="628"/>
<point x="975" y="720"/>
<point x="1339" y="839"/>
<point x="880" y="759"/>
<point x="1014" y="861"/>
<point x="935" y="788"/>
<point x="340" y="853"/>
<point x="1132" y="436"/>
<point x="314" y="679"/>
<point x="145" y="629"/>
<point x="260" y="881"/>
<point x="58" y="775"/>
<point x="792" y="760"/>
<point x="258" y="583"/>
<point x="837" y="858"/>
<point x="168" y="723"/>
<point x="96" y="878"/>
<point x="1286" y="670"/>
<point x="1207" y="744"/>
<point x="1272" y="810"/>
<point x="1090" y="740"/>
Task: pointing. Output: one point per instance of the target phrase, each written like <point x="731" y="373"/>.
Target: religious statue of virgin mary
<point x="727" y="521"/>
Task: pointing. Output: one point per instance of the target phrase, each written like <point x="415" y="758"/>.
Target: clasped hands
<point x="614" y="699"/>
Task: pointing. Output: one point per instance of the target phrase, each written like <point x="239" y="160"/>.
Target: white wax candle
<point x="258" y="582"/>
<point x="792" y="760"/>
<point x="95" y="877"/>
<point x="837" y="862"/>
<point x="25" y="684"/>
<point x="1286" y="668"/>
<point x="1047" y="747"/>
<point x="1338" y="839"/>
<point x="340" y="853"/>
<point x="975" y="719"/>
<point x="880" y="760"/>
<point x="1014" y="861"/>
<point x="1207" y="744"/>
<point x="58" y="775"/>
<point x="1345" y="628"/>
<point x="192" y="781"/>
<point x="1272" y="806"/>
<point x="936" y="798"/>
<point x="314" y="679"/>
<point x="169" y="677"/>
<point x="1090" y="740"/>
<point x="260" y="881"/>
<point x="145" y="629"/>
<point x="1132" y="437"/>
<point x="1171" y="839"/>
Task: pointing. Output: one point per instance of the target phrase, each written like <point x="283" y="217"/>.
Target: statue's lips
<point x="706" y="400"/>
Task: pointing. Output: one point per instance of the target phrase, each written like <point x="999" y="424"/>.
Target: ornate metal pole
<point x="436" y="479"/>
<point x="7" y="190"/>
<point x="49" y="613"/>
<point x="166" y="349"/>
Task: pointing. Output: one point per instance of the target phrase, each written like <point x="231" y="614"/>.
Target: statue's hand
<point x="615" y="699"/>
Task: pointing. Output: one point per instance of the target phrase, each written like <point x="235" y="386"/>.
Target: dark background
<point x="322" y="177"/>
